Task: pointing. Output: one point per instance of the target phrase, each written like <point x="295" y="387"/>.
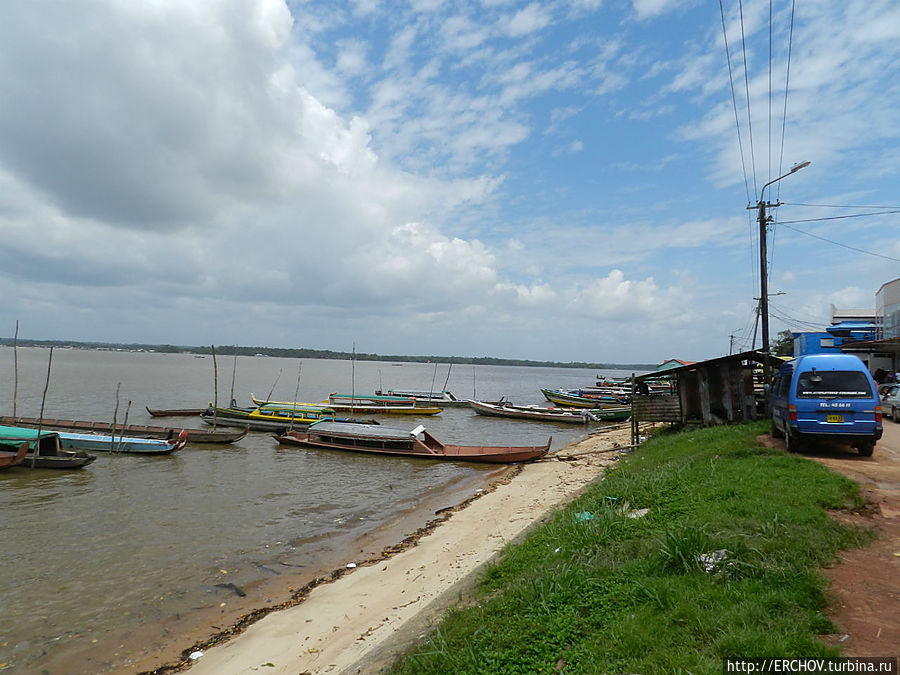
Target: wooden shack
<point x="724" y="390"/>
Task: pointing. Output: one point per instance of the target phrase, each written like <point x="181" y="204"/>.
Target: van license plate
<point x="834" y="419"/>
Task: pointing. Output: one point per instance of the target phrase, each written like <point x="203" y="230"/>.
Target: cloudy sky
<point x="563" y="180"/>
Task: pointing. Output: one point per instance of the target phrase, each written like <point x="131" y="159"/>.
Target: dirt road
<point x="866" y="582"/>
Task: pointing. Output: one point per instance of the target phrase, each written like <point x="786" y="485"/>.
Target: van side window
<point x="836" y="383"/>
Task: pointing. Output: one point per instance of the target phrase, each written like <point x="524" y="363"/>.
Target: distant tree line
<point x="303" y="353"/>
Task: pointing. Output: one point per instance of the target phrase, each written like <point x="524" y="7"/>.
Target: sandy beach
<point x="360" y="620"/>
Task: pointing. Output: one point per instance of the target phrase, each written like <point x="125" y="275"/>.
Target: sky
<point x="564" y="180"/>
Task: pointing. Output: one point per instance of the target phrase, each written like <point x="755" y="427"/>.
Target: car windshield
<point x="833" y="383"/>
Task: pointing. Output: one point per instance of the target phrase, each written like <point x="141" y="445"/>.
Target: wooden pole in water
<point x="269" y="397"/>
<point x="215" y="376"/>
<point x="296" y="394"/>
<point x="449" y="368"/>
<point x="112" y="436"/>
<point x="353" y="379"/>
<point x="16" y="368"/>
<point x="37" y="442"/>
<point x="124" y="424"/>
<point x="231" y="400"/>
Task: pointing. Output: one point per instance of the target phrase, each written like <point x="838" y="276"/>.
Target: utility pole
<point x="763" y="271"/>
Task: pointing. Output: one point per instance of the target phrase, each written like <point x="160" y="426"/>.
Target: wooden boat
<point x="268" y="416"/>
<point x="532" y="412"/>
<point x="9" y="457"/>
<point x="611" y="413"/>
<point x="416" y="443"/>
<point x="139" y="430"/>
<point x="442" y="399"/>
<point x="44" y="450"/>
<point x="364" y="405"/>
<point x="574" y="400"/>
<point x="130" y="444"/>
<point x="175" y="412"/>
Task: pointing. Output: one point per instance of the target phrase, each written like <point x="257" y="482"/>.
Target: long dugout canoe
<point x="139" y="430"/>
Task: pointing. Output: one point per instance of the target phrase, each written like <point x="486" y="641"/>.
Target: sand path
<point x="357" y="623"/>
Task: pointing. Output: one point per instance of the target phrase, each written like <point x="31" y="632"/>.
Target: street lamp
<point x="763" y="272"/>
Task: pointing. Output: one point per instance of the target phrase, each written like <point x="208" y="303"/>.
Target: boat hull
<point x="533" y="414"/>
<point x="396" y="442"/>
<point x="131" y="445"/>
<point x="141" y="431"/>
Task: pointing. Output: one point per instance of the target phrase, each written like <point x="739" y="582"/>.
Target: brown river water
<point x="120" y="566"/>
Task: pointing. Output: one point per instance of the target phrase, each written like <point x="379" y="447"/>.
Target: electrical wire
<point x="747" y="91"/>
<point x="850" y="215"/>
<point x="734" y="102"/>
<point x="836" y="243"/>
<point x="839" y="206"/>
<point x="787" y="79"/>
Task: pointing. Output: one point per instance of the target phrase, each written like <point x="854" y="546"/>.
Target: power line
<point x="851" y="215"/>
<point x="838" y="206"/>
<point x="836" y="243"/>
<point x="787" y="79"/>
<point x="747" y="91"/>
<point x="734" y="102"/>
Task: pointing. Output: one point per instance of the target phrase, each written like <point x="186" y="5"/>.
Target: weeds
<point x="598" y="590"/>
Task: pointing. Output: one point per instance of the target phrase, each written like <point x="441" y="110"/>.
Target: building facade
<point x="887" y="308"/>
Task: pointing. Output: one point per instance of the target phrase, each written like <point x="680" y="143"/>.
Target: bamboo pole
<point x="433" y="376"/>
<point x="296" y="394"/>
<point x="16" y="369"/>
<point x="212" y="348"/>
<point x="37" y="442"/>
<point x="124" y="425"/>
<point x="449" y="368"/>
<point x="215" y="376"/>
<point x="112" y="435"/>
<point x="269" y="397"/>
<point x="353" y="380"/>
<point x="231" y="400"/>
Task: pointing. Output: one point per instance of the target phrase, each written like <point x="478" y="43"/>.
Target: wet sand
<point x="355" y="620"/>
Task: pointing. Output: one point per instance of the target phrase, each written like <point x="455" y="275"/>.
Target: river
<point x="133" y="558"/>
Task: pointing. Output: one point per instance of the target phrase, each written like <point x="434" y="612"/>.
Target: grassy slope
<point x="609" y="593"/>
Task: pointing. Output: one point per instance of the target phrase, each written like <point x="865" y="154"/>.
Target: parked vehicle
<point x="821" y="396"/>
<point x="890" y="402"/>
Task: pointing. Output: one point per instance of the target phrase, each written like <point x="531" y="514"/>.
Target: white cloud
<point x="648" y="9"/>
<point x="528" y="20"/>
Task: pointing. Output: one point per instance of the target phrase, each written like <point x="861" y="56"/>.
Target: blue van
<point x="826" y="396"/>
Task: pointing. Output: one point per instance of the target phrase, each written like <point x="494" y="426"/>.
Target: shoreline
<point x="358" y="618"/>
<point x="162" y="638"/>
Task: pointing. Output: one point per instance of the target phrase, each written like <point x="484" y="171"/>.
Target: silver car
<point x="890" y="403"/>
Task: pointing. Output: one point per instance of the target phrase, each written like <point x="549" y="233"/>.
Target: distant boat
<point x="581" y="400"/>
<point x="532" y="413"/>
<point x="442" y="399"/>
<point x="175" y="412"/>
<point x="364" y="405"/>
<point x="139" y="430"/>
<point x="272" y="416"/>
<point x="416" y="443"/>
<point x="44" y="449"/>
<point x="128" y="444"/>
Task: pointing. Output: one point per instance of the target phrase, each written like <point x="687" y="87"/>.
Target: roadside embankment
<point x="699" y="546"/>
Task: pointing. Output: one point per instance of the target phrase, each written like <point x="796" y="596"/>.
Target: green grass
<point x="606" y="593"/>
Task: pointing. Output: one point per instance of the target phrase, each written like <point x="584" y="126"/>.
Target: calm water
<point x="129" y="542"/>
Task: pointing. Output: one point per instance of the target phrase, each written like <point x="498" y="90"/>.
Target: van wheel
<point x="895" y="414"/>
<point x="791" y="442"/>
<point x="776" y="432"/>
<point x="866" y="449"/>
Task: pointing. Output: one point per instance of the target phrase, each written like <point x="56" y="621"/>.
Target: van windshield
<point x="833" y="383"/>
